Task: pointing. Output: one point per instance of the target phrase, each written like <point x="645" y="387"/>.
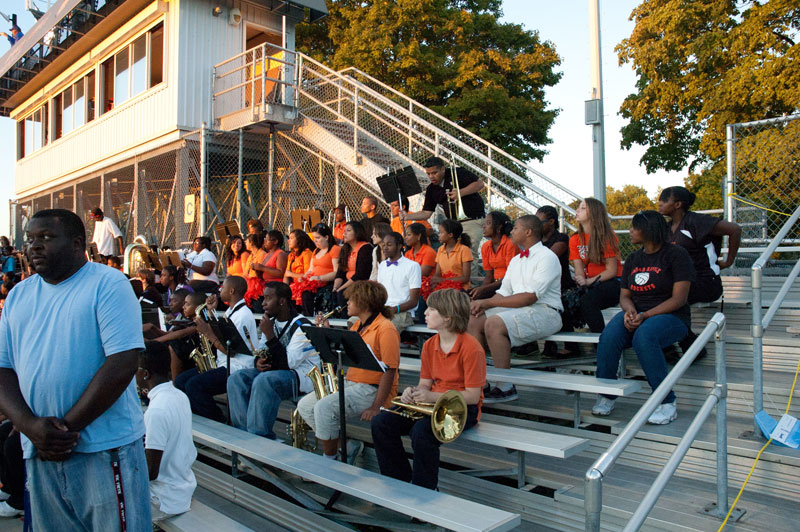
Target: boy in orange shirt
<point x="451" y="360"/>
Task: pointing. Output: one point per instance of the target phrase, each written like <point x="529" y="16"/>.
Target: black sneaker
<point x="496" y="395"/>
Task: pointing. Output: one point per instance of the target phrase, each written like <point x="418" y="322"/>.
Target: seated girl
<point x="454" y="258"/>
<point x="451" y="360"/>
<point x="423" y="254"/>
<point x="655" y="314"/>
<point x="355" y="262"/>
<point x="379" y="232"/>
<point x="236" y="256"/>
<point x="301" y="250"/>
<point x="496" y="253"/>
<point x="321" y="272"/>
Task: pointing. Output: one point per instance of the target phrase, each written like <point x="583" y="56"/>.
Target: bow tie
<point x="391" y="262"/>
<point x="525" y="253"/>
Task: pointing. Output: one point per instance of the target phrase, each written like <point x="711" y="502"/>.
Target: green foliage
<point x="707" y="185"/>
<point x="630" y="199"/>
<point x="451" y="55"/>
<point x="702" y="65"/>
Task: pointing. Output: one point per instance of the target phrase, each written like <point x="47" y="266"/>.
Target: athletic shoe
<point x="4" y="496"/>
<point x="603" y="406"/>
<point x="354" y="448"/>
<point x="665" y="413"/>
<point x="8" y="511"/>
<point x="496" y="395"/>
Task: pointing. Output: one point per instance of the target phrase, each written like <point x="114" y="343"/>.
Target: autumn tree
<point x="702" y="65"/>
<point x="453" y="56"/>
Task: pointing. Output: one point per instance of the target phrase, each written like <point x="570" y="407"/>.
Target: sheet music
<point x="383" y="366"/>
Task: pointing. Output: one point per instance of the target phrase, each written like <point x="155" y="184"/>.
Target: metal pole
<point x="593" y="495"/>
<point x="355" y="125"/>
<point x="336" y="185"/>
<point x="489" y="180"/>
<point x="730" y="143"/>
<point x="270" y="174"/>
<point x="758" y="338"/>
<point x="203" y="177"/>
<point x="240" y="180"/>
<point x="598" y="130"/>
<point x="722" y="423"/>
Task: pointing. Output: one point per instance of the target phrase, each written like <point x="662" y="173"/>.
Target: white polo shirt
<point x="245" y="322"/>
<point x="197" y="259"/>
<point x="399" y="279"/>
<point x="539" y="273"/>
<point x="105" y="232"/>
<point x="168" y="427"/>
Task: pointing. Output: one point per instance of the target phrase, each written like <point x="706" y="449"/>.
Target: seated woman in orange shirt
<point x="301" y="250"/>
<point x="255" y="283"/>
<point x="236" y="256"/>
<point x="451" y="360"/>
<point x="355" y="260"/>
<point x="365" y="391"/>
<point x="422" y="253"/>
<point x="495" y="254"/>
<point x="321" y="272"/>
<point x="594" y="253"/>
<point x="274" y="265"/>
<point x="454" y="258"/>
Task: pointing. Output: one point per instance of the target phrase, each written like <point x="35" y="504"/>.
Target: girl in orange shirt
<point x="321" y="271"/>
<point x="419" y="251"/>
<point x="454" y="258"/>
<point x="255" y="284"/>
<point x="274" y="266"/>
<point x="594" y="253"/>
<point x="301" y="250"/>
<point x="495" y="254"/>
<point x="235" y="256"/>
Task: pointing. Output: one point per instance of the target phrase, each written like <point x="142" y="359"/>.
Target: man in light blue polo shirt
<point x="69" y="343"/>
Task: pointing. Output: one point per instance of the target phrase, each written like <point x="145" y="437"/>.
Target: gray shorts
<point x="527" y="324"/>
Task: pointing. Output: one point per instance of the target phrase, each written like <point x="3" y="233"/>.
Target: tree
<point x="707" y="185"/>
<point x="630" y="199"/>
<point x="451" y="55"/>
<point x="702" y="65"/>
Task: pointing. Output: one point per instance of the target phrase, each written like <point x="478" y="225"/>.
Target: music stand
<point x="94" y="254"/>
<point x="399" y="184"/>
<point x="226" y="230"/>
<point x="170" y="258"/>
<point x="343" y="348"/>
<point x="225" y="330"/>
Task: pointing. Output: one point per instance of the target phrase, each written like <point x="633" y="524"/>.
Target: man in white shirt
<point x="255" y="393"/>
<point x="201" y="265"/>
<point x="202" y="387"/>
<point x="526" y="307"/>
<point x="106" y="235"/>
<point x="402" y="279"/>
<point x="169" y="447"/>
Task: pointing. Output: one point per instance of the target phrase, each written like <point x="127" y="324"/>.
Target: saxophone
<point x="204" y="356"/>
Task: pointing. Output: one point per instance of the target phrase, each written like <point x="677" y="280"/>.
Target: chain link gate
<point x="763" y="177"/>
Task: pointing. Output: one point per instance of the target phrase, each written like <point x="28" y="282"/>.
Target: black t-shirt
<point x="437" y="195"/>
<point x="694" y="235"/>
<point x="369" y="223"/>
<point x="566" y="277"/>
<point x="650" y="277"/>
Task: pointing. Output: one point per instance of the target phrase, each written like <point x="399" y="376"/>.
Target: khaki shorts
<point x="527" y="324"/>
<point x="402" y="320"/>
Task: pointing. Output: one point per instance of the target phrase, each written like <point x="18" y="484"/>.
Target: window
<point x="157" y="55"/>
<point x="31" y="133"/>
<point x="66" y="111"/>
<point x="139" y="66"/>
<point x="107" y="72"/>
<point x="79" y="103"/>
<point x="90" y="80"/>
<point x="121" y="77"/>
<point x="134" y="69"/>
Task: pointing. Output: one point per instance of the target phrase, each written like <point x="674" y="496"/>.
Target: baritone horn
<point x="204" y="356"/>
<point x="324" y="383"/>
<point x="448" y="415"/>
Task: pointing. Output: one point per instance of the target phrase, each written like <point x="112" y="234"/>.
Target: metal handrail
<point x="717" y="397"/>
<point x="440" y="137"/>
<point x="491" y="148"/>
<point x="760" y="323"/>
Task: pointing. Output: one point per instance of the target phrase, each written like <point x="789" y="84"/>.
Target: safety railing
<point x="761" y="321"/>
<point x="379" y="119"/>
<point x="253" y="79"/>
<point x="716" y="398"/>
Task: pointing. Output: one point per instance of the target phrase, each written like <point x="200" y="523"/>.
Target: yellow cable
<point x="739" y="198"/>
<point x="788" y="405"/>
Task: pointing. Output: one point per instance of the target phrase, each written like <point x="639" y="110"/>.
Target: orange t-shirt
<point x="324" y="265"/>
<point x="338" y="231"/>
<point x="464" y="366"/>
<point x="236" y="267"/>
<point x="578" y="251"/>
<point x="299" y="263"/>
<point x="425" y="257"/>
<point x="384" y="340"/>
<point x="397" y="225"/>
<point x="255" y="258"/>
<point x="498" y="262"/>
<point x="450" y="262"/>
<point x="352" y="259"/>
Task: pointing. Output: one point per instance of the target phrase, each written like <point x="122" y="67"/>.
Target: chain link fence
<point x="764" y="173"/>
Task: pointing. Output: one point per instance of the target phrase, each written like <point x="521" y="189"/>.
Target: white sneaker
<point x="603" y="406"/>
<point x="665" y="413"/>
<point x="4" y="496"/>
<point x="8" y="511"/>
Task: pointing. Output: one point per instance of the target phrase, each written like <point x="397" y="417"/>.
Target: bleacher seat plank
<point x="200" y="517"/>
<point x="433" y="507"/>
<point x="526" y="440"/>
<point x="546" y="379"/>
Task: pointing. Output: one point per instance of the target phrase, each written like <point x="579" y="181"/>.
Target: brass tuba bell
<point x="448" y="415"/>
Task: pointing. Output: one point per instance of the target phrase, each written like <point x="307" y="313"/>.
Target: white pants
<point x="323" y="415"/>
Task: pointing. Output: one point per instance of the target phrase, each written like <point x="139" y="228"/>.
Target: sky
<point x="566" y="25"/>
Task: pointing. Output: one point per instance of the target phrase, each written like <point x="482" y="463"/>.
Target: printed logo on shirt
<point x="582" y="251"/>
<point x="641" y="278"/>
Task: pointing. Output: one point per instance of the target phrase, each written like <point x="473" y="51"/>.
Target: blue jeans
<point x="201" y="388"/>
<point x="79" y="493"/>
<point x="254" y="397"/>
<point x="648" y="340"/>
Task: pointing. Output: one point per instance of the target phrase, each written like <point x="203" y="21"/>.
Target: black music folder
<point x="402" y="182"/>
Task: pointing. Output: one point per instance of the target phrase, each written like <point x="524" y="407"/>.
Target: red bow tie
<point x="525" y="253"/>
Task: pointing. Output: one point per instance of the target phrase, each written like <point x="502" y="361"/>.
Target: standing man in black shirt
<point x="369" y="208"/>
<point x="442" y="192"/>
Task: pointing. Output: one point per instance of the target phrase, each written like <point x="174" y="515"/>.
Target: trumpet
<point x="456" y="206"/>
<point x="448" y="415"/>
<point x="330" y="313"/>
